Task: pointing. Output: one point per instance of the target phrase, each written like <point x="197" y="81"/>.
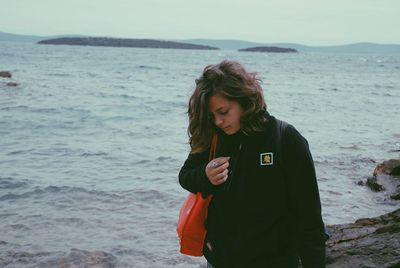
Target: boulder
<point x="369" y="242"/>
<point x="389" y="167"/>
<point x="386" y="177"/>
<point x="5" y="74"/>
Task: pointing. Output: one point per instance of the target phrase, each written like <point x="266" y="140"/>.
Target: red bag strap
<point x="213" y="147"/>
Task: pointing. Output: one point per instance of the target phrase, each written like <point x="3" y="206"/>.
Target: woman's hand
<point x="217" y="170"/>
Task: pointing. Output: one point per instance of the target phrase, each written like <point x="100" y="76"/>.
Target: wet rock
<point x="396" y="195"/>
<point x="5" y="74"/>
<point x="389" y="167"/>
<point x="7" y="82"/>
<point x="369" y="242"/>
<point x="386" y="177"/>
<point x="374" y="185"/>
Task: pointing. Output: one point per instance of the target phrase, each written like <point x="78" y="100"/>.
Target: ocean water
<point x="92" y="140"/>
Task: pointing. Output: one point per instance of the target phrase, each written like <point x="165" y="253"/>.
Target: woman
<point x="266" y="209"/>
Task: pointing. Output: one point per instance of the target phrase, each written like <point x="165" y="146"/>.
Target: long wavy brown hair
<point x="231" y="80"/>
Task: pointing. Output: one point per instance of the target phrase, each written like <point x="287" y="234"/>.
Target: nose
<point x="218" y="121"/>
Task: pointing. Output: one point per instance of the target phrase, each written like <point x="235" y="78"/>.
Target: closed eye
<point x="223" y="112"/>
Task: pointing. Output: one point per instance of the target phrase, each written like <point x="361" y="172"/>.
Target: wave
<point x="93" y="154"/>
<point x="328" y="89"/>
<point x="120" y="118"/>
<point x="59" y="191"/>
<point x="363" y="160"/>
<point x="75" y="258"/>
<point x="20" y="152"/>
<point x="164" y="159"/>
<point x="12" y="108"/>
<point x="351" y="147"/>
<point x="11" y="183"/>
<point x="148" y="67"/>
<point x="124" y="96"/>
<point x="60" y="74"/>
<point x="19" y="227"/>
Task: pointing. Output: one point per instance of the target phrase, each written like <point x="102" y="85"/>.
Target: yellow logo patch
<point x="266" y="159"/>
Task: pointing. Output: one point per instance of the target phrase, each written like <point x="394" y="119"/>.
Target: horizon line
<point x="199" y="38"/>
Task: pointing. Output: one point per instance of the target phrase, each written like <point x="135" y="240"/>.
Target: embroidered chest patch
<point x="266" y="159"/>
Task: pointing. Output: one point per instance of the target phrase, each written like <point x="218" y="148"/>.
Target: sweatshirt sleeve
<point x="192" y="175"/>
<point x="304" y="201"/>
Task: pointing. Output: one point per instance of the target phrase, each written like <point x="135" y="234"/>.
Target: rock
<point x="12" y="84"/>
<point x="386" y="178"/>
<point x="374" y="185"/>
<point x="389" y="167"/>
<point x="396" y="195"/>
<point x="369" y="242"/>
<point x="5" y="74"/>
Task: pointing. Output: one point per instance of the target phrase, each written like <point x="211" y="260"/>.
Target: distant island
<point x="270" y="49"/>
<point x="122" y="42"/>
<point x="355" y="48"/>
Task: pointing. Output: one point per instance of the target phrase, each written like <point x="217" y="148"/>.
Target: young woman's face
<point x="226" y="114"/>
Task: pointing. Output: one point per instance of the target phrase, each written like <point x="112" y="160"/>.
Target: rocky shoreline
<point x="370" y="242"/>
<point x="386" y="179"/>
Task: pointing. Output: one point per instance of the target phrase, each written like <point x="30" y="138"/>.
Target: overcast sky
<point x="310" y="22"/>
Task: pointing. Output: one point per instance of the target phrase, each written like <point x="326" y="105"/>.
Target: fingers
<point x="217" y="162"/>
<point x="222" y="177"/>
<point x="217" y="170"/>
<point x="221" y="168"/>
<point x="219" y="178"/>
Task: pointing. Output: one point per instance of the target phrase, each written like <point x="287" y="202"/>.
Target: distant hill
<point x="351" y="48"/>
<point x="19" y="38"/>
<point x="240" y="44"/>
<point x="29" y="38"/>
<point x="122" y="42"/>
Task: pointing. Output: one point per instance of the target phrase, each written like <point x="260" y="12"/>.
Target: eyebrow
<point x="221" y="108"/>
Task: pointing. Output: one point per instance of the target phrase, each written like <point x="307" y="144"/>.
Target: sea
<point x="92" y="140"/>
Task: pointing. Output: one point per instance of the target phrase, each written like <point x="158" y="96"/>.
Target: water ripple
<point x="11" y="183"/>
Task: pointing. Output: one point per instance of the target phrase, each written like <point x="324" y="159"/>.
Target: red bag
<point x="191" y="230"/>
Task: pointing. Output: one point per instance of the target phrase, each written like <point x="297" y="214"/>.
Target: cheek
<point x="237" y="117"/>
<point x="239" y="113"/>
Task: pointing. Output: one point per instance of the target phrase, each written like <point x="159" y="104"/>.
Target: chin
<point x="231" y="131"/>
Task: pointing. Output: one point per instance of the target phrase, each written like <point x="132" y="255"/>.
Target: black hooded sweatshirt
<point x="268" y="212"/>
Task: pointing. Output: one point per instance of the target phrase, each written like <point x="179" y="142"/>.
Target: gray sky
<point x="311" y="22"/>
